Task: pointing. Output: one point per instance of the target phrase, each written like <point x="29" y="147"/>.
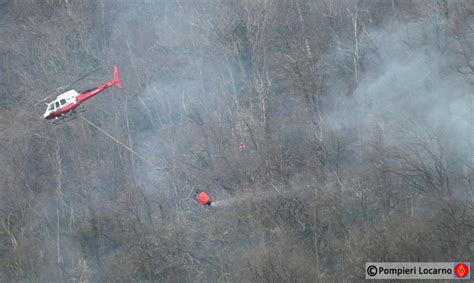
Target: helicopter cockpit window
<point x="63" y="101"/>
<point x="56" y="105"/>
<point x="50" y="106"/>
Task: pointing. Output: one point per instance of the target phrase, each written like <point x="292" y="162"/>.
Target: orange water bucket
<point x="203" y="199"/>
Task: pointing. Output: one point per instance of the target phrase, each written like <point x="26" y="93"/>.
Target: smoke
<point x="410" y="90"/>
<point x="183" y="82"/>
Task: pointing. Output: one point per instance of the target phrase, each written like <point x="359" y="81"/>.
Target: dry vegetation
<point x="356" y="116"/>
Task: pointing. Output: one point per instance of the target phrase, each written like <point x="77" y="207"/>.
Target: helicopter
<point x="65" y="104"/>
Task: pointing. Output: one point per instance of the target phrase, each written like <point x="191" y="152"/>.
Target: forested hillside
<point x="356" y="118"/>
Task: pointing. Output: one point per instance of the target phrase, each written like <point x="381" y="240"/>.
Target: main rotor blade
<point x="83" y="77"/>
<point x="43" y="100"/>
<point x="60" y="89"/>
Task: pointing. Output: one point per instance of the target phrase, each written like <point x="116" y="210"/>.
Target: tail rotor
<point x="116" y="79"/>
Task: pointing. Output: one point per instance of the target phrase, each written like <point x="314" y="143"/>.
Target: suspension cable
<point x="122" y="144"/>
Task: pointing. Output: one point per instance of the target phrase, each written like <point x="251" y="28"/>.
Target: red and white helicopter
<point x="65" y="103"/>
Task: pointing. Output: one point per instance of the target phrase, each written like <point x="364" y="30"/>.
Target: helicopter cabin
<point x="62" y="99"/>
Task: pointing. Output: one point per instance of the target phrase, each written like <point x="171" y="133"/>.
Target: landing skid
<point x="67" y="117"/>
<point x="63" y="119"/>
